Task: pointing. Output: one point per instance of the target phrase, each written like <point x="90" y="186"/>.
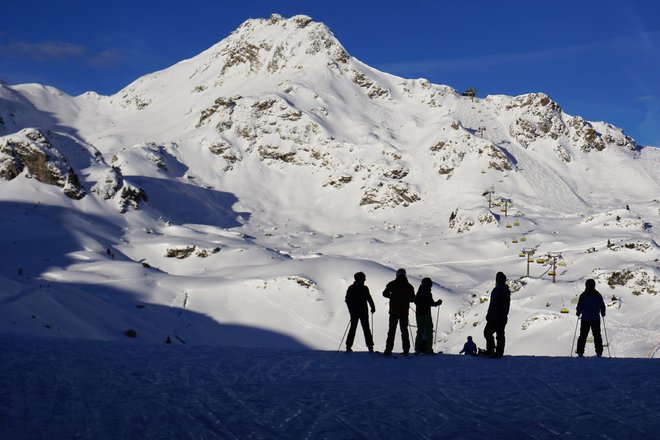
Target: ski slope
<point x="97" y="390"/>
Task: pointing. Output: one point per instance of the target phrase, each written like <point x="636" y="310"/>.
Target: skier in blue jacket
<point x="590" y="308"/>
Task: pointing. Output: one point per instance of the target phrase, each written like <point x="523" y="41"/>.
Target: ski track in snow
<point x="296" y="317"/>
<point x="89" y="389"/>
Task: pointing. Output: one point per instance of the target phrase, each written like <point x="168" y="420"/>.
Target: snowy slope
<point x="238" y="191"/>
<point x="93" y="390"/>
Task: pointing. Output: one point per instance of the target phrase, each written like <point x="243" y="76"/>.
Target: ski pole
<point x="437" y="318"/>
<point x="607" y="341"/>
<point x="342" y="338"/>
<point x="372" y="328"/>
<point x="574" y="335"/>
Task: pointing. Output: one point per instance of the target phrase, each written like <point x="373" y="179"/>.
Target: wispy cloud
<point x="43" y="51"/>
<point x="625" y="42"/>
<point x="109" y="57"/>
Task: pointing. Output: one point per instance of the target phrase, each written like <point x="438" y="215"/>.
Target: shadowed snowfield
<point x="104" y="390"/>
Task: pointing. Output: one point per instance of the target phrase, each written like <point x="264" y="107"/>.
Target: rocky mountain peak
<point x="276" y="43"/>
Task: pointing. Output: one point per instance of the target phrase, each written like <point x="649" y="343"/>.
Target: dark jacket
<point x="500" y="300"/>
<point x="401" y="294"/>
<point x="591" y="305"/>
<point x="424" y="301"/>
<point x="357" y="297"/>
<point x="469" y="348"/>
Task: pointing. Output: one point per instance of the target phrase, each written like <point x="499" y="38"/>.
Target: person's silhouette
<point x="357" y="298"/>
<point x="423" y="303"/>
<point x="497" y="315"/>
<point x="590" y="308"/>
<point x="401" y="294"/>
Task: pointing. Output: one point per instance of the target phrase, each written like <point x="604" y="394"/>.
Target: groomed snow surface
<point x="66" y="389"/>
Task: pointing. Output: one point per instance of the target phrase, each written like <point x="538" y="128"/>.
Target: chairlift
<point x="521" y="255"/>
<point x="552" y="273"/>
<point x="508" y="226"/>
<point x="516" y="223"/>
<point x="523" y="239"/>
<point x="514" y="241"/>
<point x="562" y="263"/>
<point x="540" y="261"/>
<point x="564" y="310"/>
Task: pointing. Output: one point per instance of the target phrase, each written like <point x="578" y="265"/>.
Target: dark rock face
<point x="32" y="151"/>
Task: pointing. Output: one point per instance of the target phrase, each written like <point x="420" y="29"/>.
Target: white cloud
<point x="43" y="51"/>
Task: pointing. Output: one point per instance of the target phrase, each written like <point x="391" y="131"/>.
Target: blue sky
<point x="598" y="59"/>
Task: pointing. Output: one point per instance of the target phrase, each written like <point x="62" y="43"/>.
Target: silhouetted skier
<point x="357" y="298"/>
<point x="423" y="303"/>
<point x="469" y="347"/>
<point x="496" y="318"/>
<point x="401" y="294"/>
<point x="590" y="308"/>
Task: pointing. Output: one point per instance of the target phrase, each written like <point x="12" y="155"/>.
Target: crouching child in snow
<point x="469" y="347"/>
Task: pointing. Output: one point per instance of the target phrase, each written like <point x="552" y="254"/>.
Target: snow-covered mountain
<point x="229" y="199"/>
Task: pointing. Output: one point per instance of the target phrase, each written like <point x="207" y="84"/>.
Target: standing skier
<point x="423" y="303"/>
<point x="401" y="294"/>
<point x="590" y="308"/>
<point x="357" y="297"/>
<point x="496" y="318"/>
